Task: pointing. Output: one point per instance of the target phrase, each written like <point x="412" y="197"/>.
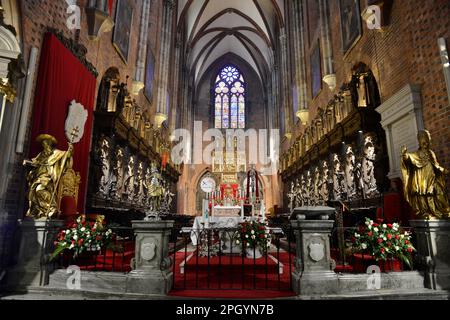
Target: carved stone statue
<point x="309" y="190"/>
<point x="350" y="173"/>
<point x="44" y="177"/>
<point x="323" y="190"/>
<point x="292" y="195"/>
<point x="139" y="185"/>
<point x="129" y="179"/>
<point x="105" y="180"/>
<point x="338" y="178"/>
<point x="368" y="169"/>
<point x="117" y="176"/>
<point x="299" y="193"/>
<point x="424" y="181"/>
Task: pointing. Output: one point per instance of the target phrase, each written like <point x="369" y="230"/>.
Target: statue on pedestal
<point x="424" y="180"/>
<point x="44" y="176"/>
<point x="155" y="193"/>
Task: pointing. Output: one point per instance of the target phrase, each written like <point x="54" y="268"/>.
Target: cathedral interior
<point x="227" y="149"/>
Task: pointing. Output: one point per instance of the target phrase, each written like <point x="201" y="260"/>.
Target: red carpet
<point x="228" y="278"/>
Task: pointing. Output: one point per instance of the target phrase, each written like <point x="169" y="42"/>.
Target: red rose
<point x="397" y="237"/>
<point x="353" y="239"/>
<point x="406" y="242"/>
<point x="370" y="234"/>
<point x="410" y="250"/>
<point x="55" y="243"/>
<point x="376" y="225"/>
<point x="380" y="240"/>
<point x="98" y="238"/>
<point x="80" y="242"/>
<point x="73" y="242"/>
<point x="74" y="225"/>
<point x="382" y="250"/>
<point x="389" y="226"/>
<point x="389" y="236"/>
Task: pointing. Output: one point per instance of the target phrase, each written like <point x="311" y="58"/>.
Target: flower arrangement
<point x="383" y="241"/>
<point x="254" y="234"/>
<point x="83" y="236"/>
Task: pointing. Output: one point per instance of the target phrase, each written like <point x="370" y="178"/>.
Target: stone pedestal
<point x="152" y="272"/>
<point x="313" y="274"/>
<point x="433" y="248"/>
<point x="36" y="246"/>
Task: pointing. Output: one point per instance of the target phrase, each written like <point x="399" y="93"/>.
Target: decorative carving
<point x="104" y="157"/>
<point x="129" y="179"/>
<point x="338" y="178"/>
<point x="148" y="251"/>
<point x="316" y="251"/>
<point x="349" y="173"/>
<point x="117" y="176"/>
<point x="368" y="168"/>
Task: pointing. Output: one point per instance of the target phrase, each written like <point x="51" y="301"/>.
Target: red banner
<point x="61" y="79"/>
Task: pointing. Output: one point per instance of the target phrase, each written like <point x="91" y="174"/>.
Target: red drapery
<point x="61" y="79"/>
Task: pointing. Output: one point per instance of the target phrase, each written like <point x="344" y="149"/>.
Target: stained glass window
<point x="230" y="99"/>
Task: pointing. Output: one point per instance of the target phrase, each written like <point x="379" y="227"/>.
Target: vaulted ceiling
<point x="214" y="28"/>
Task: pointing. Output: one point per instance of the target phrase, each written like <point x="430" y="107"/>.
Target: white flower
<point x="253" y="237"/>
<point x="238" y="242"/>
<point x="75" y="237"/>
<point x="253" y="231"/>
<point x="375" y="229"/>
<point x="72" y="246"/>
<point x="384" y="238"/>
<point x="397" y="248"/>
<point x="384" y="226"/>
<point x="371" y="222"/>
<point x="246" y="236"/>
<point x="357" y="235"/>
<point x="248" y="244"/>
<point x="370" y="227"/>
<point x="83" y="229"/>
<point x="402" y="236"/>
<point x="367" y="223"/>
<point x="67" y="231"/>
<point x="265" y="236"/>
<point x="364" y="246"/>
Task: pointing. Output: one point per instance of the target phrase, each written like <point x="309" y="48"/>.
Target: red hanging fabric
<point x="110" y="6"/>
<point x="61" y="79"/>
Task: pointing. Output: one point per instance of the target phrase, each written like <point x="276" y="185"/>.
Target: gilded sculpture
<point x="424" y="180"/>
<point x="43" y="179"/>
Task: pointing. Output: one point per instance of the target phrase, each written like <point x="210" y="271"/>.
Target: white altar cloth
<point x="214" y="222"/>
<point x="221" y="211"/>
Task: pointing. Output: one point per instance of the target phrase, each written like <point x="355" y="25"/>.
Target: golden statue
<point x="43" y="179"/>
<point x="424" y="181"/>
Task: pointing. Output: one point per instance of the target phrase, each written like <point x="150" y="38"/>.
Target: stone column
<point x="139" y="76"/>
<point x="300" y="62"/>
<point x="313" y="273"/>
<point x="164" y="64"/>
<point x="36" y="246"/>
<point x="152" y="272"/>
<point x="325" y="39"/>
<point x="286" y="93"/>
<point x="433" y="248"/>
